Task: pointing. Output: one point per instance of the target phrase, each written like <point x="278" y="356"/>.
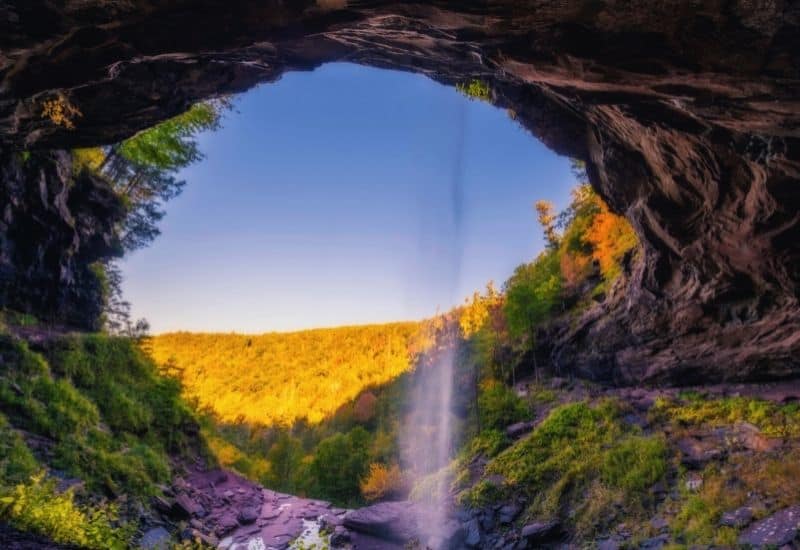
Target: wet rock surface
<point x="688" y="116"/>
<point x="398" y="521"/>
<point x="239" y="514"/>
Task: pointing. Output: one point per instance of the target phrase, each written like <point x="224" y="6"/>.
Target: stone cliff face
<point x="53" y="227"/>
<point x="687" y="113"/>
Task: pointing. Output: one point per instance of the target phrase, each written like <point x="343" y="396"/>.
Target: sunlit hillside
<point x="279" y="378"/>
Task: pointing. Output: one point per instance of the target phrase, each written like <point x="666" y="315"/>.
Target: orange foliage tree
<point x="611" y="237"/>
<point x="383" y="482"/>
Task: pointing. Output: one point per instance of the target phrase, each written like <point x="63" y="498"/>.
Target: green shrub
<point x="476" y="89"/>
<point x="488" y="443"/>
<point x="499" y="407"/>
<point x="113" y="419"/>
<point x="635" y="463"/>
<point x="481" y="494"/>
<point x="37" y="507"/>
<point x="17" y="463"/>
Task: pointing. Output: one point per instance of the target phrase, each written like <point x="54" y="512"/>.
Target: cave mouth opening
<point x="342" y="196"/>
<point x="685" y="115"/>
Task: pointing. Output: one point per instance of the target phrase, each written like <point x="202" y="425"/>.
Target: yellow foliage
<point x="89" y="158"/>
<point x="61" y="112"/>
<point x="279" y="378"/>
<point x="476" y="311"/>
<point x="611" y="236"/>
<point x="547" y="219"/>
<point x="382" y="482"/>
<point x="224" y="452"/>
<point x="37" y="507"/>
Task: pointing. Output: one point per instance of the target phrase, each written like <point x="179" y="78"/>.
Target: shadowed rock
<point x="774" y="531"/>
<point x="397" y="521"/>
<point x="688" y="116"/>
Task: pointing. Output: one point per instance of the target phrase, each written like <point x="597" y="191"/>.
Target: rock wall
<point x="53" y="226"/>
<point x="687" y="113"/>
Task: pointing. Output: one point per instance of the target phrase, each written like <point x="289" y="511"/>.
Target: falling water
<point x="430" y="443"/>
<point x="429" y="429"/>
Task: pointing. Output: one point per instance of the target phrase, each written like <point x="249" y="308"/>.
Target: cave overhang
<point x="686" y="113"/>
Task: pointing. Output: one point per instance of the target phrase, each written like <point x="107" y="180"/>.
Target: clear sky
<point x="344" y="196"/>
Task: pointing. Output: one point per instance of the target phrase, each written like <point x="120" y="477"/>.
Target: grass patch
<point x="691" y="409"/>
<point x="763" y="482"/>
<point x="581" y="458"/>
<point x="487" y="443"/>
<point x="17" y="463"/>
<point x="500" y="407"/>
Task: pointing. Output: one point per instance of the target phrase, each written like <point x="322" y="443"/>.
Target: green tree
<point x="339" y="465"/>
<point x="171" y="145"/>
<point x="531" y="293"/>
<point x="284" y="456"/>
<point x="547" y="219"/>
<point x="143" y="168"/>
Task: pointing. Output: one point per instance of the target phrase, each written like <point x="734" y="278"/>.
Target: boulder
<point x="750" y="437"/>
<point x="162" y="504"/>
<point x="508" y="513"/>
<point x="696" y="452"/>
<point x="659" y="523"/>
<point x="226" y="524"/>
<point x="157" y="538"/>
<point x="515" y="431"/>
<point x="185" y="507"/>
<point x="613" y="543"/>
<point x="774" y="531"/>
<point x="472" y="529"/>
<point x="540" y="531"/>
<point x="654" y="543"/>
<point x="340" y="537"/>
<point x="248" y="515"/>
<point x="738" y="518"/>
<point x="388" y="520"/>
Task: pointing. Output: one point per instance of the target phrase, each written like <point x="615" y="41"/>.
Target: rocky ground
<point x="229" y="512"/>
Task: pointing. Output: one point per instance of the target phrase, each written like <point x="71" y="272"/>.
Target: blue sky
<point x="346" y="195"/>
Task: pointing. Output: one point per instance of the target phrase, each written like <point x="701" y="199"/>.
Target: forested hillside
<point x="278" y="379"/>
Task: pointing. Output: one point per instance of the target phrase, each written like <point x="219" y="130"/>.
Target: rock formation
<point x="687" y="113"/>
<point x="53" y="226"/>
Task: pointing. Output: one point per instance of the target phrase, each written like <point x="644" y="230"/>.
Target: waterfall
<point x="429" y="444"/>
<point x="428" y="436"/>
